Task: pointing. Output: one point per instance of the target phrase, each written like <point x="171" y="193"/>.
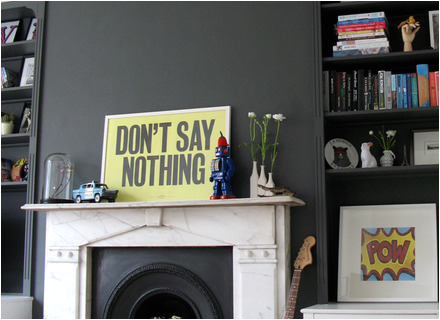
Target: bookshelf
<point x="369" y="186"/>
<point x="17" y="226"/>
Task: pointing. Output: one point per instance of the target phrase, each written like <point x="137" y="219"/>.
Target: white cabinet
<point x="372" y="311"/>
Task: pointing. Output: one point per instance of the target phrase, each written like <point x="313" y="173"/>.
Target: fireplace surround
<point x="257" y="231"/>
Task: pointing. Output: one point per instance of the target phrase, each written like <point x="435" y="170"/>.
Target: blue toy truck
<point x="94" y="191"/>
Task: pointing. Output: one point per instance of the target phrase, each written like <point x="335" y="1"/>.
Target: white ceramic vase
<point x="270" y="184"/>
<point x="7" y="127"/>
<point x="262" y="181"/>
<point x="253" y="181"/>
<point x="387" y="160"/>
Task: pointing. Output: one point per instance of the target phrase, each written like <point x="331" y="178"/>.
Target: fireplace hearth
<point x="146" y="283"/>
<point x="255" y="232"/>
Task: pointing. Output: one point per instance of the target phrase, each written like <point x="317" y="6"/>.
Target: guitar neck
<point x="293" y="294"/>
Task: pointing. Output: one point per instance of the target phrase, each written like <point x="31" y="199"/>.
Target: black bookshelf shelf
<point x="383" y="59"/>
<point x="14" y="186"/>
<point x="381" y="172"/>
<point x="400" y="115"/>
<point x="19" y="48"/>
<point x="15" y="139"/>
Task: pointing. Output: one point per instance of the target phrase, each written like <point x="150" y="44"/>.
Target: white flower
<point x="268" y="116"/>
<point x="371" y="133"/>
<point x="391" y="133"/>
<point x="279" y="117"/>
<point x="252" y="115"/>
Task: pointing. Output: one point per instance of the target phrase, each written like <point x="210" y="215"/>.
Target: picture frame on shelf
<point x="32" y="33"/>
<point x="425" y="147"/>
<point x="162" y="155"/>
<point x="434" y="28"/>
<point x="27" y="75"/>
<point x="388" y="253"/>
<point x="9" y="30"/>
<point x="341" y="154"/>
<point x="25" y="123"/>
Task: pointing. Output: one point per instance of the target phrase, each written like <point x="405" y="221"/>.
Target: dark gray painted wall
<point x="104" y="58"/>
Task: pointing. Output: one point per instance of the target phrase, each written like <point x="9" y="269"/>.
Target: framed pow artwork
<point x="388" y="253"/>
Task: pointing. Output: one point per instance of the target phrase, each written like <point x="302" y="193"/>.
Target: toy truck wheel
<point x="97" y="198"/>
<point x="78" y="199"/>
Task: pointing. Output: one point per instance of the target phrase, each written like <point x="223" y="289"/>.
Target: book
<point x="388" y="96"/>
<point x="423" y="84"/>
<point x="362" y="34"/>
<point x="362" y="26"/>
<point x="361" y="87"/>
<point x="399" y="91"/>
<point x="436" y="85"/>
<point x="359" y="52"/>
<point x="333" y="93"/>
<point x="356" y="21"/>
<point x="355" y="91"/>
<point x="375" y="92"/>
<point x="349" y="94"/>
<point x="404" y="92"/>
<point x="381" y="76"/>
<point x="361" y="45"/>
<point x="361" y="41"/>
<point x="393" y="91"/>
<point x="408" y="90"/>
<point x="369" y="90"/>
<point x="370" y="15"/>
<point x="432" y="91"/>
<point x="414" y="94"/>
<point x="326" y="90"/>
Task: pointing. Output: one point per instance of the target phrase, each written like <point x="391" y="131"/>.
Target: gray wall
<point x="102" y="58"/>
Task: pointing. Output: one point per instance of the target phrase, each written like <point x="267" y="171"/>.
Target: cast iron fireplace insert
<point x="146" y="283"/>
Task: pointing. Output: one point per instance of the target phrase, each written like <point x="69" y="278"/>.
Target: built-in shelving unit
<point x="17" y="225"/>
<point x="369" y="186"/>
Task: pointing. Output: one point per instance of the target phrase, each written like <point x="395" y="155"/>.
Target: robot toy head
<point x="222" y="150"/>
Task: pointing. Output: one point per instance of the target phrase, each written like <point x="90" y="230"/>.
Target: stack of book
<point x="362" y="34"/>
<point x="367" y="90"/>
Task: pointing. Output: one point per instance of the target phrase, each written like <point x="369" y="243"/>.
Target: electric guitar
<point x="303" y="259"/>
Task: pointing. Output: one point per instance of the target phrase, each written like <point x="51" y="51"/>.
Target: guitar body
<point x="303" y="259"/>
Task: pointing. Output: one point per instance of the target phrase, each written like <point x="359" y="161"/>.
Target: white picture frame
<point x="9" y="30"/>
<point x="425" y="147"/>
<point x="366" y="238"/>
<point x="27" y="75"/>
<point x="434" y="28"/>
<point x="32" y="33"/>
<point x="154" y="156"/>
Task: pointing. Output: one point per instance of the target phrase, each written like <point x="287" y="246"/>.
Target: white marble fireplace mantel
<point x="258" y="230"/>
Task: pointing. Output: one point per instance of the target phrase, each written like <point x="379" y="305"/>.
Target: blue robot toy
<point x="222" y="170"/>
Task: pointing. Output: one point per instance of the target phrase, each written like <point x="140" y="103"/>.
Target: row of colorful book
<point x="367" y="90"/>
<point x="362" y="34"/>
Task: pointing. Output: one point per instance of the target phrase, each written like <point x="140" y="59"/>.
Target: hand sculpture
<point x="409" y="30"/>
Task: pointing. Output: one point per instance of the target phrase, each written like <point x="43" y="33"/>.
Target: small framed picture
<point x="27" y="76"/>
<point x="9" y="30"/>
<point x="388" y="253"/>
<point x="32" y="33"/>
<point x="25" y="123"/>
<point x="433" y="28"/>
<point x="425" y="147"/>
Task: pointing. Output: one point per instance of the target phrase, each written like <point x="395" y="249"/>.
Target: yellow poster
<point x="159" y="156"/>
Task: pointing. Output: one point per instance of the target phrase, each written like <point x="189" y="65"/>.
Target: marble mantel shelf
<point x="282" y="200"/>
<point x="256" y="229"/>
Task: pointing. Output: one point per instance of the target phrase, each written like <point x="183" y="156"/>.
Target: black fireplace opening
<point x="164" y="283"/>
<point x="164" y="303"/>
